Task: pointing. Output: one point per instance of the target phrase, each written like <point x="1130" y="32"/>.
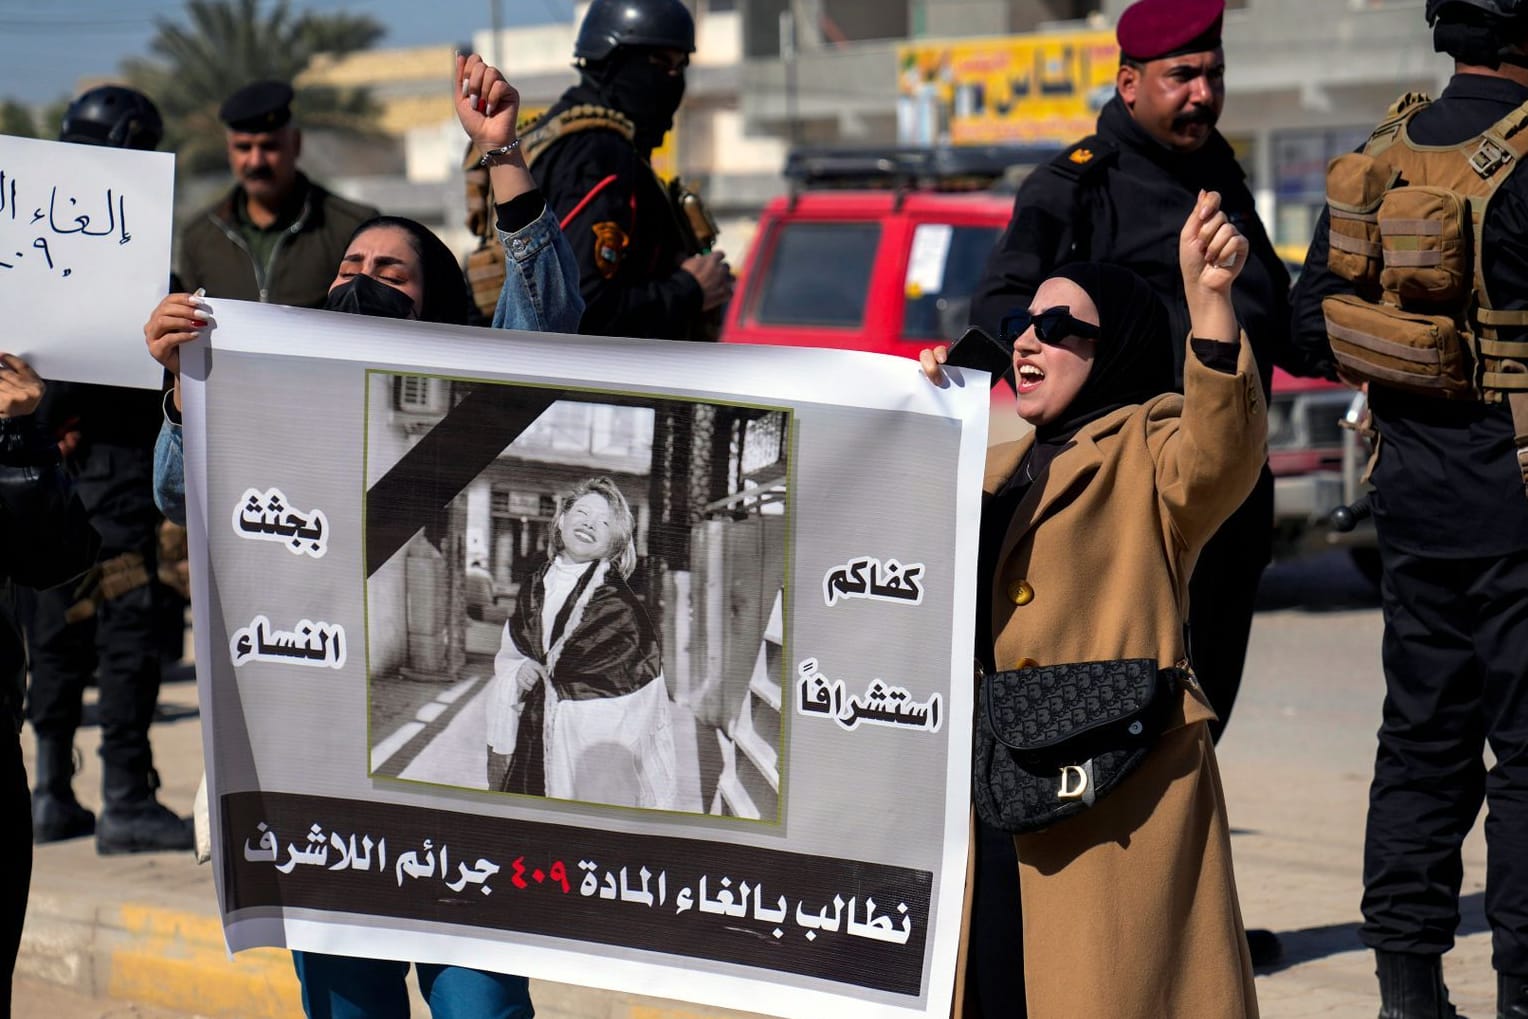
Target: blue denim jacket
<point x="540" y="295"/>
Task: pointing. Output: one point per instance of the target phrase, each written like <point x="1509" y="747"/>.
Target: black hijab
<point x="445" y="288"/>
<point x="1132" y="360"/>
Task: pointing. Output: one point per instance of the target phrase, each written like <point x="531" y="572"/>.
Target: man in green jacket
<point x="277" y="236"/>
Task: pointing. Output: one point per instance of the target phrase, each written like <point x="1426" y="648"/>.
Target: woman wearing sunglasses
<point x="1090" y="530"/>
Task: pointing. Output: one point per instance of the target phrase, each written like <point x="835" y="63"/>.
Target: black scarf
<point x="631" y="83"/>
<point x="1132" y="360"/>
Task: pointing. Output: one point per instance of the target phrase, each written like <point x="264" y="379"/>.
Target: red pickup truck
<point x="890" y="269"/>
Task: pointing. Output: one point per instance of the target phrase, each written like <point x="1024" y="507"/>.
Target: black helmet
<point x="111" y="115"/>
<point x="611" y="23"/>
<point x="1504" y="10"/>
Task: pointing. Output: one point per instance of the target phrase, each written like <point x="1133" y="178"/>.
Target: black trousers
<point x="995" y="953"/>
<point x="15" y="854"/>
<point x="1456" y="678"/>
<point x="119" y="645"/>
<point x="1222" y="596"/>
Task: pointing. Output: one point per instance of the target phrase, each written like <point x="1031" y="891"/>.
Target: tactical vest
<point x="540" y="133"/>
<point x="485" y="265"/>
<point x="1407" y="221"/>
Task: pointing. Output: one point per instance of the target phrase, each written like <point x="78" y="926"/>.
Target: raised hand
<point x="1211" y="251"/>
<point x="486" y="104"/>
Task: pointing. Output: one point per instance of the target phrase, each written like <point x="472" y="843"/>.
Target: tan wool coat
<point x="1130" y="907"/>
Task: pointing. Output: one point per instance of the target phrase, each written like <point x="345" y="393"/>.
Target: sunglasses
<point x="1051" y="326"/>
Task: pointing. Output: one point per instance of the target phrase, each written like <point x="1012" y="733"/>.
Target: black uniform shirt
<point x="1447" y="482"/>
<point x="1120" y="196"/>
<point x="622" y="229"/>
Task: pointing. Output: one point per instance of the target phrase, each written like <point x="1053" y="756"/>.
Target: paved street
<point x="1296" y="761"/>
<point x="137" y="936"/>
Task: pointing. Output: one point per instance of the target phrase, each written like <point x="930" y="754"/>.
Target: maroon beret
<point x="1153" y="29"/>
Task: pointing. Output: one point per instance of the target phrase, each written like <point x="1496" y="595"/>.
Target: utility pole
<point x="788" y="55"/>
<point x="495" y="22"/>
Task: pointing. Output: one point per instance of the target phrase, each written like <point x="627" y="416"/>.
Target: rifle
<point x="699" y="232"/>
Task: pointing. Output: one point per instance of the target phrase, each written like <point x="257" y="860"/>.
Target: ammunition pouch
<point x="1418" y="352"/>
<point x="1355" y="186"/>
<point x="174" y="569"/>
<point x="1406" y="228"/>
<point x="486" y="274"/>
<point x="108" y="579"/>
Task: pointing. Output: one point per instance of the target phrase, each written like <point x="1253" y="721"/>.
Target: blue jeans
<point x="341" y="987"/>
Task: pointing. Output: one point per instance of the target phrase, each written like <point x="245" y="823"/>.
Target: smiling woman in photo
<point x="579" y="709"/>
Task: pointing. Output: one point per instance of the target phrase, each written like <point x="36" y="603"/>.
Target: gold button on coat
<point x="1027" y="663"/>
<point x="1020" y="592"/>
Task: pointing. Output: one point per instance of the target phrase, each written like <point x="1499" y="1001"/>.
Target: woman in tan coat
<point x="1091" y="528"/>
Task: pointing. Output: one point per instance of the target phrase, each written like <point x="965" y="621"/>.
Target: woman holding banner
<point x="1090" y="530"/>
<point x="397" y="268"/>
<point x="541" y="284"/>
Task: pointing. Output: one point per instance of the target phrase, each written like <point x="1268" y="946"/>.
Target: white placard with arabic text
<point x="732" y="768"/>
<point x="84" y="257"/>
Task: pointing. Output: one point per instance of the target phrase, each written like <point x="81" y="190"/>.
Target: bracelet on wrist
<point x="493" y="156"/>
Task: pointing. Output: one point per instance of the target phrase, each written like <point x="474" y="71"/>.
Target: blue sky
<point x="46" y="47"/>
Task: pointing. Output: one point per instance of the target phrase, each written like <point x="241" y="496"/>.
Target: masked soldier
<point x="109" y="626"/>
<point x="1416" y="283"/>
<point x="589" y="154"/>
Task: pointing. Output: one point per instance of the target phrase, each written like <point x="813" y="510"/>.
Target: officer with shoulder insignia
<point x="1121" y="195"/>
<point x="1402" y="293"/>
<point x="589" y="155"/>
<point x="277" y="236"/>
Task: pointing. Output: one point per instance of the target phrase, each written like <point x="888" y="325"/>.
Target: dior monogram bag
<point x="1052" y="740"/>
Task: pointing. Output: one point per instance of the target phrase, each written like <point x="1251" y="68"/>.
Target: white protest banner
<point x="84" y="257"/>
<point x="639" y="665"/>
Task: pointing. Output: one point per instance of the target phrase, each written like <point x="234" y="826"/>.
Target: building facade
<point x="1307" y="79"/>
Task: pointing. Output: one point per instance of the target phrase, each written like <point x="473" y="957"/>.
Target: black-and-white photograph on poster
<point x="576" y="595"/>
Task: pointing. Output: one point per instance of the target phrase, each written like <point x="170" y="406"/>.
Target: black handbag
<point x="1052" y="740"/>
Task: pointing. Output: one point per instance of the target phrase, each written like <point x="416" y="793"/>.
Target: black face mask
<point x="362" y="295"/>
<point x="647" y="93"/>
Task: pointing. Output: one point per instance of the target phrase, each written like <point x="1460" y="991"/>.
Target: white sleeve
<point x="504" y="696"/>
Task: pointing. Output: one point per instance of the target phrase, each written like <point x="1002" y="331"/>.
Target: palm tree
<point x="17" y="120"/>
<point x="224" y="45"/>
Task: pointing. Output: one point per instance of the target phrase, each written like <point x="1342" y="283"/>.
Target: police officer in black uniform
<point x="1121" y="195"/>
<point x="1452" y="520"/>
<point x="589" y="155"/>
<point x="45" y="538"/>
<point x="116" y="640"/>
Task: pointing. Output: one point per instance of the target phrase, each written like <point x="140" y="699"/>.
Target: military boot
<point x="1511" y="996"/>
<point x="1411" y="986"/>
<point x="56" y="814"/>
<point x="134" y="821"/>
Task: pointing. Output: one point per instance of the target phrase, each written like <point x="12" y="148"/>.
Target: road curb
<point x="134" y="952"/>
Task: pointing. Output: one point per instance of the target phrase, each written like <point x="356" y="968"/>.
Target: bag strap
<point x="1501" y="149"/>
<point x="1497" y="148"/>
